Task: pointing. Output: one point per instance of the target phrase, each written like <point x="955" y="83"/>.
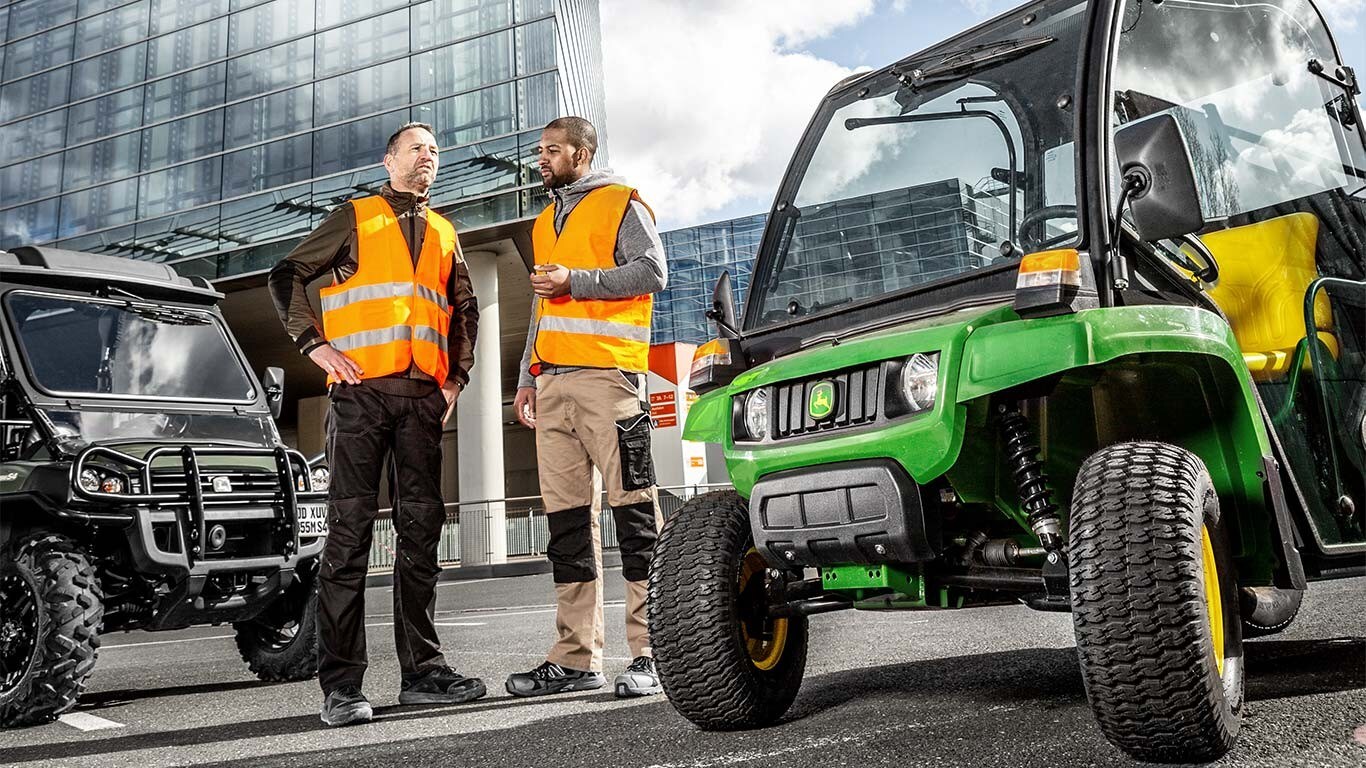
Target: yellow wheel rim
<point x="764" y="653"/>
<point x="1214" y="604"/>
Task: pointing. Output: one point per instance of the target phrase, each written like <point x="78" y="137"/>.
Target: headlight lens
<point x="756" y="414"/>
<point x="321" y="478"/>
<point x="112" y="484"/>
<point x="920" y="380"/>
<point x="89" y="480"/>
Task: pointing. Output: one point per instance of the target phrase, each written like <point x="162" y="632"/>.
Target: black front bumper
<point x="867" y="511"/>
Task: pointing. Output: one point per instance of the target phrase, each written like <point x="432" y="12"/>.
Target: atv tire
<point x="1155" y="604"/>
<point x="281" y="644"/>
<point x="723" y="662"/>
<point x="67" y="610"/>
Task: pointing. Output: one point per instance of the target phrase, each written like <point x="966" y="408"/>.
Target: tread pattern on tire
<point x="1138" y="609"/>
<point x="298" y="661"/>
<point x="705" y="669"/>
<point x="71" y="597"/>
<point x="1254" y="628"/>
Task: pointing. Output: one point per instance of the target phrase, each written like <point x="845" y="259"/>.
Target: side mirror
<point x="723" y="308"/>
<point x="274" y="381"/>
<point x="1155" y="161"/>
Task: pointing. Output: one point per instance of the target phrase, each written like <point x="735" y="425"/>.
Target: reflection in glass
<point x="29" y="16"/>
<point x="102" y="161"/>
<point x="180" y="187"/>
<point x="29" y="224"/>
<point x="362" y="43"/>
<point x="354" y="144"/>
<point x="34" y="94"/>
<point x="99" y="207"/>
<point x="36" y="178"/>
<point x="333" y="12"/>
<point x="112" y="28"/>
<point x="182" y="140"/>
<point x="108" y="71"/>
<point x="168" y="15"/>
<point x="120" y="111"/>
<point x="329" y="193"/>
<point x="273" y="68"/>
<point x="273" y="164"/>
<point x="188" y="47"/>
<point x="114" y="241"/>
<point x="481" y="213"/>
<point x="94" y="347"/>
<point x="362" y="92"/>
<point x="177" y="236"/>
<point x="462" y="67"/>
<point x="275" y="115"/>
<point x="440" y="21"/>
<point x="477" y="169"/>
<point x="536" y="47"/>
<point x="269" y="23"/>
<point x="538" y="99"/>
<point x="32" y="54"/>
<point x="270" y="215"/>
<point x="470" y="116"/>
<point x="33" y="136"/>
<point x="531" y="9"/>
<point x="192" y="91"/>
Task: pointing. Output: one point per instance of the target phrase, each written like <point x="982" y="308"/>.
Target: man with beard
<point x="582" y="388"/>
<point x="397" y="342"/>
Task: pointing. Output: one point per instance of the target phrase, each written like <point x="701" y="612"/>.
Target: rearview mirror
<point x="1153" y="156"/>
<point x="274" y="382"/>
<point x="723" y="308"/>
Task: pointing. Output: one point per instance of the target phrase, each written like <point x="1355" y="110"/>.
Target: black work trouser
<point x="365" y="427"/>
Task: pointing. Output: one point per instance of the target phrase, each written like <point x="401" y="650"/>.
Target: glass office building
<point x="212" y="134"/>
<point x="894" y="239"/>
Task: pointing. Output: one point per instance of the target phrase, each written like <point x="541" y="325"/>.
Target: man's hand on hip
<point x="524" y="405"/>
<point x="451" y="391"/>
<point x="335" y="363"/>
<point x="550" y="281"/>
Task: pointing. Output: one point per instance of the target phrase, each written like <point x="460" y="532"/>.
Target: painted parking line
<point x="165" y="642"/>
<point x="85" y="722"/>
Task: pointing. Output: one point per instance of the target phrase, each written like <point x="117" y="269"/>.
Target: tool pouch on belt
<point x="633" y="443"/>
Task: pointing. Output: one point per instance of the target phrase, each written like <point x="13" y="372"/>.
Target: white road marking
<point x="86" y="722"/>
<point x="165" y="642"/>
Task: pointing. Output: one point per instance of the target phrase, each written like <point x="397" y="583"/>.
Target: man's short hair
<point x="581" y="133"/>
<point x="393" y="140"/>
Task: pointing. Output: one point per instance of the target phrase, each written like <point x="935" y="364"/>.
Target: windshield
<point x="941" y="166"/>
<point x="90" y="425"/>
<point x="126" y="349"/>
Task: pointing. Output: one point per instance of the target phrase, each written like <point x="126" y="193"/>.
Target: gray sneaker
<point x="639" y="679"/>
<point x="552" y="678"/>
<point x="346" y="706"/>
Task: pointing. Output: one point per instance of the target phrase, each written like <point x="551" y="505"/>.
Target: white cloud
<point x="706" y="100"/>
<point x="1343" y="15"/>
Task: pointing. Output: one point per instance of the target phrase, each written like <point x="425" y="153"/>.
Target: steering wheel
<point x="1035" y="220"/>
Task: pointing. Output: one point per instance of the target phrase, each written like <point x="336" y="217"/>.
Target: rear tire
<point x="67" y="611"/>
<point x="1268" y="610"/>
<point x="724" y="665"/>
<point x="1155" y="604"/>
<point x="281" y="644"/>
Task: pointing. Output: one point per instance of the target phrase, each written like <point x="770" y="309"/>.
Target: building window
<point x="169" y="15"/>
<point x="463" y="66"/>
<point x="120" y="26"/>
<point x="40" y="52"/>
<point x="360" y="93"/>
<point x="99" y="207"/>
<point x="195" y="90"/>
<point x="182" y="140"/>
<point x="188" y="48"/>
<point x="269" y="23"/>
<point x="35" y="94"/>
<point x="29" y="16"/>
<point x="363" y="43"/>
<point x="538" y="99"/>
<point x="29" y="224"/>
<point x="536" y="47"/>
<point x="36" y="178"/>
<point x="32" y="137"/>
<point x="183" y="186"/>
<point x="354" y="144"/>
<point x="102" y="161"/>
<point x="116" y="112"/>
<point x="471" y="116"/>
<point x="278" y="114"/>
<point x="108" y="71"/>
<point x="283" y="65"/>
<point x="269" y="165"/>
<point x="440" y="21"/>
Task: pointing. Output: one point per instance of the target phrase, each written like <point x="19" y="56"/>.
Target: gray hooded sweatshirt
<point x="639" y="256"/>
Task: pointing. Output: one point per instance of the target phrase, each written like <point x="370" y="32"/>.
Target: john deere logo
<point x="822" y="402"/>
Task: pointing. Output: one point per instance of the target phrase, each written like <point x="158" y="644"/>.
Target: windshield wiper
<point x="975" y="59"/>
<point x="155" y="312"/>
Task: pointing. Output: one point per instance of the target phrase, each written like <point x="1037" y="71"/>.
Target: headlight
<point x="321" y="478"/>
<point x="920" y="381"/>
<point x="756" y="414"/>
<point x="112" y="484"/>
<point x="89" y="480"/>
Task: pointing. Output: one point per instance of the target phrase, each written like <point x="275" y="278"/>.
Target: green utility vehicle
<point x="143" y="484"/>
<point x="1067" y="310"/>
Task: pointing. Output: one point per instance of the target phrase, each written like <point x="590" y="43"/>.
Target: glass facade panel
<point x="99" y="207"/>
<point x="32" y="137"/>
<point x="122" y="25"/>
<point x="531" y="9"/>
<point x="269" y="165"/>
<point x="108" y="71"/>
<point x="107" y="115"/>
<point x="197" y="89"/>
<point x="183" y="186"/>
<point x="29" y="224"/>
<point x="471" y="116"/>
<point x="332" y="12"/>
<point x="538" y="100"/>
<point x="332" y="192"/>
<point x="187" y="48"/>
<point x="39" y="52"/>
<point x="36" y="178"/>
<point x="269" y="216"/>
<point x="438" y="22"/>
<point x="536" y="47"/>
<point x="118" y="241"/>
<point x="269" y="23"/>
<point x="168" y="15"/>
<point x="463" y="66"/>
<point x="365" y="42"/>
<point x="178" y="235"/>
<point x="477" y="169"/>
<point x="697" y="256"/>
<point x="363" y="92"/>
<point x="272" y="68"/>
<point x="482" y="213"/>
<point x="354" y="144"/>
<point x="102" y="161"/>
<point x="29" y="16"/>
<point x="182" y="140"/>
<point x="278" y="114"/>
<point x="35" y="94"/>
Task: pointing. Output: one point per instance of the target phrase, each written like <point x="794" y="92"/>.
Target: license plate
<point x="312" y="519"/>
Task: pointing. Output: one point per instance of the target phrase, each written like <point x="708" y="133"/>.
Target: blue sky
<point x="704" y="111"/>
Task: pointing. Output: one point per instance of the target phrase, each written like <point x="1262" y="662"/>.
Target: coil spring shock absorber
<point x="1022" y="458"/>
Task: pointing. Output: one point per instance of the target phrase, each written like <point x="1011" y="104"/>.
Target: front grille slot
<point x="858" y="394"/>
<point x="174" y="480"/>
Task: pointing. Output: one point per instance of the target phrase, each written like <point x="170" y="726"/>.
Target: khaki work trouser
<point x="580" y="420"/>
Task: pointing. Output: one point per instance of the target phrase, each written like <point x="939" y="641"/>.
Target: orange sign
<point x="666" y="421"/>
<point x="697" y="461"/>
<point x="661" y="397"/>
<point x="662" y="410"/>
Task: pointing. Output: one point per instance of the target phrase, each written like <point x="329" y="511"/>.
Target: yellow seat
<point x="1264" y="271"/>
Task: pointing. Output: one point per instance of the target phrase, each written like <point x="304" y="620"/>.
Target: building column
<point x="479" y="426"/>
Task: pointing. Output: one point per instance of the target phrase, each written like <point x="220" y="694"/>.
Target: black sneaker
<point x="552" y="678"/>
<point x="441" y="685"/>
<point x="346" y="706"/>
<point x="639" y="679"/>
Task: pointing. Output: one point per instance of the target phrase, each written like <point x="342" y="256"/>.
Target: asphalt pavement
<point x="986" y="687"/>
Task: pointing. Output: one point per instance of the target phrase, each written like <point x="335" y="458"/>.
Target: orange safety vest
<point x="594" y="333"/>
<point x="390" y="315"/>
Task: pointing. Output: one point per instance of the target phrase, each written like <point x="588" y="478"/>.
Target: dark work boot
<point x="442" y="685"/>
<point x="346" y="706"/>
<point x="552" y="678"/>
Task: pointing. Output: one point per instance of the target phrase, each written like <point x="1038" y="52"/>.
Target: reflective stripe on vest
<point x="390" y="314"/>
<point x="594" y="333"/>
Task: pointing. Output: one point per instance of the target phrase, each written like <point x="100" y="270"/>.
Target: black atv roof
<point x="57" y="268"/>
